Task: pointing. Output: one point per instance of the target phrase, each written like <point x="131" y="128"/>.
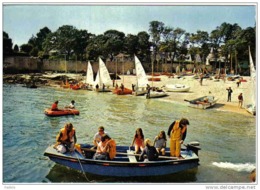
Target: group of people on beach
<point x="105" y="147"/>
<point x="240" y="97"/>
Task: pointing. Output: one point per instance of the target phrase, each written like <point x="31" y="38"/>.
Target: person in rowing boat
<point x="177" y="133"/>
<point x="149" y="152"/>
<point x="71" y="105"/>
<point x="66" y="138"/>
<point x="106" y="149"/>
<point x="160" y="142"/>
<point x="98" y="135"/>
<point x="54" y="106"/>
<point x="138" y="140"/>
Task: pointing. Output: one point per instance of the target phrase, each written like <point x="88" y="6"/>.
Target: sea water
<point x="227" y="140"/>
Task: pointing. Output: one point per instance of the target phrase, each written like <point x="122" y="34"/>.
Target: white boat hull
<point x="176" y="88"/>
<point x="251" y="109"/>
<point x="156" y="94"/>
<point x="199" y="102"/>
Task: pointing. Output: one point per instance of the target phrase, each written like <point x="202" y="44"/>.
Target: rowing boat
<point x="126" y="162"/>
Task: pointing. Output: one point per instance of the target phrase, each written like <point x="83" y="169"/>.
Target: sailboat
<point x="89" y="77"/>
<point x="155" y="92"/>
<point x="142" y="81"/>
<point x="251" y="108"/>
<point x="103" y="80"/>
<point x="122" y="90"/>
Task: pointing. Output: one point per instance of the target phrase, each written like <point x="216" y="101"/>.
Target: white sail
<point x="251" y="108"/>
<point x="90" y="75"/>
<point x="103" y="76"/>
<point x="142" y="80"/>
<point x="253" y="76"/>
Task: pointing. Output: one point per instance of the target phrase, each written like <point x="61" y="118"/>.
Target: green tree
<point x="143" y="46"/>
<point x="131" y="44"/>
<point x="7" y="44"/>
<point x="16" y="48"/>
<point x="114" y="44"/>
<point x="26" y="48"/>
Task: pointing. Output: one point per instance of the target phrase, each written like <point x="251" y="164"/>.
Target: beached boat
<point x="202" y="102"/>
<point x="65" y="85"/>
<point x="89" y="78"/>
<point x="119" y="91"/>
<point x="63" y="112"/>
<point x="102" y="77"/>
<point x="141" y="78"/>
<point x="157" y="93"/>
<point x="251" y="108"/>
<point x="126" y="163"/>
<point x="176" y="88"/>
<point x="154" y="79"/>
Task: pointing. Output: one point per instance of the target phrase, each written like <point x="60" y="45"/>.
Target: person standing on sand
<point x="229" y="94"/>
<point x="201" y="79"/>
<point x="240" y="100"/>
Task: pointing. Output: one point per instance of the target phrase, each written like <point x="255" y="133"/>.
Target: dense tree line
<point x="227" y="40"/>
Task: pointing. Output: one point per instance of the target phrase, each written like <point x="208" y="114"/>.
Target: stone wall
<point x="21" y="64"/>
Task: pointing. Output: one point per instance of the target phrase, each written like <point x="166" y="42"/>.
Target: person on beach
<point x="148" y="88"/>
<point x="230" y="91"/>
<point x="71" y="105"/>
<point x="149" y="152"/>
<point x="66" y="138"/>
<point x="97" y="87"/>
<point x="177" y="133"/>
<point x="238" y="82"/>
<point x="54" y="106"/>
<point x="138" y="140"/>
<point x="160" y="142"/>
<point x="103" y="87"/>
<point x="122" y="87"/>
<point x="201" y="78"/>
<point x="98" y="135"/>
<point x="240" y="100"/>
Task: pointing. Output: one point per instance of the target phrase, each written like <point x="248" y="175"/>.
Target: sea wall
<point x="29" y="64"/>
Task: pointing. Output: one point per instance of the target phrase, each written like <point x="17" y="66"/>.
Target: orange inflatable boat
<point x="51" y="113"/>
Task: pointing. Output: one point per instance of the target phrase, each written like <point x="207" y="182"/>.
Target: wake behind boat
<point x="202" y="102"/>
<point x="126" y="164"/>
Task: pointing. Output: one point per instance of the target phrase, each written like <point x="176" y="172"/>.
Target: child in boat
<point x="138" y="140"/>
<point x="149" y="152"/>
<point x="160" y="142"/>
<point x="71" y="105"/>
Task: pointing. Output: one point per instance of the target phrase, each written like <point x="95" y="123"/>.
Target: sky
<point x="22" y="21"/>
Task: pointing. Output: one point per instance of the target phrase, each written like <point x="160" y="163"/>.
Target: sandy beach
<point x="209" y="87"/>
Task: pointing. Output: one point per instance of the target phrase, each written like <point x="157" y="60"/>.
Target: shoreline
<point x="208" y="87"/>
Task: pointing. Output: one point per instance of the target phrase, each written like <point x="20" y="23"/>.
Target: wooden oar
<point x="132" y="154"/>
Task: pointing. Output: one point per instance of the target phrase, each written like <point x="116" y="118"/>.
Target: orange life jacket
<point x="64" y="136"/>
<point x="112" y="149"/>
